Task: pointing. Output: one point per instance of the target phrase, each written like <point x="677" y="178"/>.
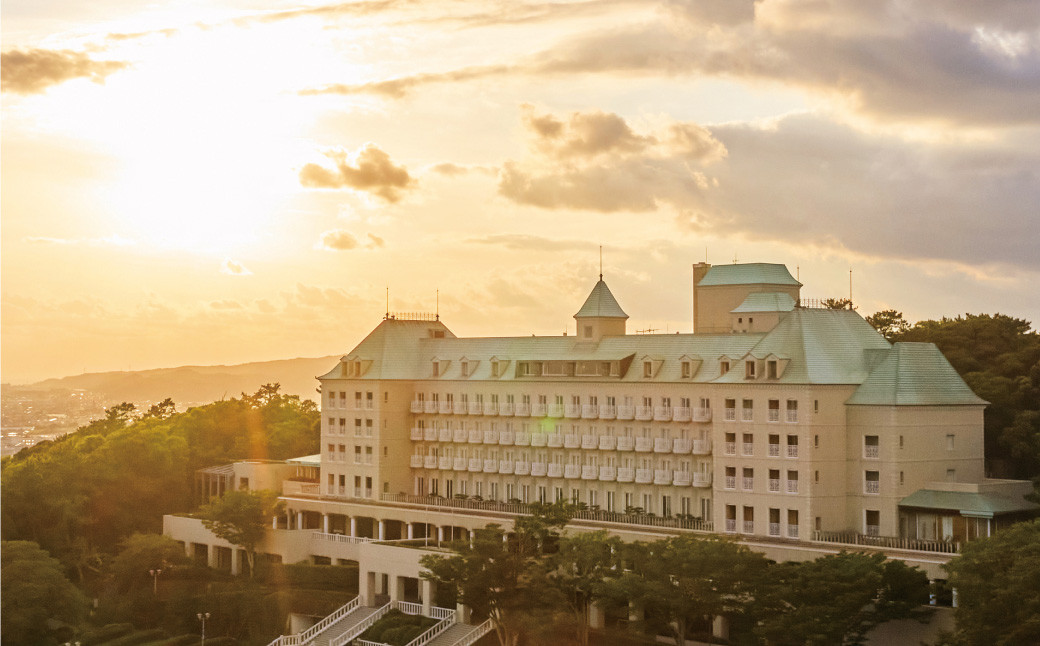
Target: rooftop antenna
<point x="850" y="288"/>
<point x="735" y="261"/>
<point x="388" y="301"/>
<point x="798" y="272"/>
<point x="437" y="316"/>
<point x="601" y="262"/>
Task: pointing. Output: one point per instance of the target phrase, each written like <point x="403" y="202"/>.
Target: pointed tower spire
<point x="601" y="315"/>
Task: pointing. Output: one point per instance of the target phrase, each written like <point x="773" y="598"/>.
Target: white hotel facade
<point x="795" y="429"/>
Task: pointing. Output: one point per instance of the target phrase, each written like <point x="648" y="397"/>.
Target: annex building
<point x="798" y="429"/>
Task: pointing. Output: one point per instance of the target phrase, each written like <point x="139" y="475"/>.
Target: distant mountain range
<point x="198" y="384"/>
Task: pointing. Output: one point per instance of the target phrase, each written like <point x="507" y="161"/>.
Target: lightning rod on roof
<point x="388" y="301"/>
<point x="601" y="262"/>
<point x="437" y="315"/>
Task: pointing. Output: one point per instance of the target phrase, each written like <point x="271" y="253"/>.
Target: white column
<point x="426" y="589"/>
<point x="395" y="587"/>
<point x="211" y="556"/>
<point x="274" y="523"/>
<point x="325" y="523"/>
<point x="954" y="600"/>
<point x="440" y="533"/>
<point x="931" y="592"/>
<point x="236" y="561"/>
<point x="367" y="588"/>
<point x="382" y="530"/>
<point x="597" y="618"/>
<point x="299" y="520"/>
<point x="720" y="627"/>
<point x="353" y="525"/>
<point x="411" y="531"/>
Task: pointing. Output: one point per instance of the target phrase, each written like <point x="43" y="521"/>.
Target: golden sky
<point x="220" y="181"/>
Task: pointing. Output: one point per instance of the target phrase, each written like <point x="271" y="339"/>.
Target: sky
<point x="222" y="181"/>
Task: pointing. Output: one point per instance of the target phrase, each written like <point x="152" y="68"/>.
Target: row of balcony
<point x="748" y="449"/>
<point x="748" y="527"/>
<point x="568" y="471"/>
<point x="588" y="442"/>
<point x="748" y="415"/>
<point x="571" y="411"/>
<point x="748" y="484"/>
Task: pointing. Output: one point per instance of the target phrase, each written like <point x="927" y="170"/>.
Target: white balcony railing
<point x="505" y="410"/>
<point x="539" y="439"/>
<point x="662" y="445"/>
<point x="430" y="462"/>
<point x="644" y="444"/>
<point x="522" y="468"/>
<point x="476" y="408"/>
<point x="475" y="465"/>
<point x="730" y="448"/>
<point x="747" y="484"/>
<point x="490" y="408"/>
<point x="522" y="439"/>
<point x="873" y="530"/>
<point x="626" y="443"/>
<point x="430" y="435"/>
<point x="774" y="450"/>
<point x="662" y="413"/>
<point x="505" y="467"/>
<point x="431" y="407"/>
<point x="571" y="441"/>
<point x="792" y="486"/>
<point x="490" y="466"/>
<point x="872" y="487"/>
<point x="730" y="415"/>
<point x="607" y="443"/>
<point x="681" y="414"/>
<point x="626" y="474"/>
<point x="416" y="406"/>
<point x="682" y="446"/>
<point x="626" y="412"/>
<point x="731" y="525"/>
<point x="444" y="463"/>
<point x="682" y="479"/>
<point x="589" y="472"/>
<point x="747" y="448"/>
<point x="459" y="435"/>
<point x="416" y="434"/>
<point x="701" y="447"/>
<point x="792" y="416"/>
<point x="572" y="471"/>
<point x="555" y="470"/>
<point x="792" y="531"/>
<point x="662" y="476"/>
<point x="747" y="414"/>
<point x="458" y="464"/>
<point x="774" y="529"/>
<point x="556" y="410"/>
<point x="522" y="410"/>
<point x="644" y="413"/>
<point x="444" y="435"/>
<point x="444" y="408"/>
<point x="538" y="410"/>
<point x="475" y="436"/>
<point x="792" y="450"/>
<point x="573" y="411"/>
<point x="701" y="414"/>
<point x="506" y="438"/>
<point x="608" y="474"/>
<point x="490" y="437"/>
<point x="644" y="476"/>
<point x="774" y="415"/>
<point x="701" y="479"/>
<point x="460" y="408"/>
<point x="538" y="469"/>
<point x="417" y="461"/>
<point x="554" y="441"/>
<point x="871" y="451"/>
<point x="731" y="482"/>
<point x="607" y="412"/>
<point x="589" y="441"/>
<point x="774" y="485"/>
<point x="749" y="527"/>
<point x="590" y="411"/>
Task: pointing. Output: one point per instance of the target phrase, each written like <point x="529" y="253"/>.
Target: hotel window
<point x="871" y="450"/>
<point x="872" y="482"/>
<point x="951" y="475"/>
<point x="686" y="369"/>
<point x="723" y="367"/>
<point x="792" y="410"/>
<point x="588" y="331"/>
<point x="792" y="482"/>
<point x="749" y="369"/>
<point x="731" y="410"/>
<point x="368" y="400"/>
<point x="436" y="369"/>
<point x="771" y="371"/>
<point x="873" y="522"/>
<point x="748" y="447"/>
<point x="332" y="451"/>
<point x="731" y="477"/>
<point x="792" y="446"/>
<point x="648" y="369"/>
<point x="731" y="444"/>
<point x="748" y="482"/>
<point x="748" y="410"/>
<point x="368" y="455"/>
<point x="465" y="369"/>
<point x="368" y="428"/>
<point x="357" y="455"/>
<point x="949" y="442"/>
<point x="357" y="427"/>
<point x="774" y="410"/>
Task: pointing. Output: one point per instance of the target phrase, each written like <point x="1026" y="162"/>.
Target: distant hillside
<point x="199" y="384"/>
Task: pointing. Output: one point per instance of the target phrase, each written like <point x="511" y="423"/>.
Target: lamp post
<point x="155" y="580"/>
<point x="203" y="616"/>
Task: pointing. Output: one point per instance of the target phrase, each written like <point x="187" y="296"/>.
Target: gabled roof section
<point x="980" y="505"/>
<point x="392" y="348"/>
<point x="914" y="374"/>
<point x="824" y="346"/>
<point x="765" y="302"/>
<point x="601" y="304"/>
<point x="752" y="273"/>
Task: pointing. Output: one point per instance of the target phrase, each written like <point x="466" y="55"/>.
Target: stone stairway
<point x="454" y="635"/>
<point x="336" y="629"/>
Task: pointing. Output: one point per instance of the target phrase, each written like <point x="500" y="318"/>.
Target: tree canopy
<point x="81" y="495"/>
<point x="241" y="518"/>
<point x="37" y="598"/>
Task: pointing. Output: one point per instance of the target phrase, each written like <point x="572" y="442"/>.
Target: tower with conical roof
<point x="601" y="315"/>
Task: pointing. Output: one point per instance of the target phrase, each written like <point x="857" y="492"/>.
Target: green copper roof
<point x="967" y="503"/>
<point x="766" y="302"/>
<point x="754" y="273"/>
<point x="601" y="304"/>
<point x="914" y="374"/>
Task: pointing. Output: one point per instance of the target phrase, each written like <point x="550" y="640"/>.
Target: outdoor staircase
<point x="458" y="634"/>
<point x="344" y="625"/>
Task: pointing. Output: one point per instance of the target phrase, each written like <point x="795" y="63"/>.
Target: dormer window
<point x="588" y="331"/>
<point x="723" y="367"/>
<point x="494" y="368"/>
<point x="771" y="369"/>
<point x="465" y="368"/>
<point x="749" y="369"/>
<point x="686" y="371"/>
<point x="436" y="369"/>
<point x="648" y="369"/>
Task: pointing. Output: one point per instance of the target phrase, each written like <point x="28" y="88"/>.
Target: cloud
<point x="226" y="305"/>
<point x="397" y="88"/>
<point x="234" y="268"/>
<point x="340" y="240"/>
<point x="112" y="240"/>
<point x="369" y="170"/>
<point x="450" y="169"/>
<point x="32" y="71"/>
<point x="525" y="242"/>
<point x="595" y="161"/>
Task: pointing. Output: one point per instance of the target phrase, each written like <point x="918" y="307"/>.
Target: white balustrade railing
<point x="310" y="633"/>
<point x="358" y="628"/>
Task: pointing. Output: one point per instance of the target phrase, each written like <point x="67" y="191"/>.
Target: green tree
<point x="577" y="571"/>
<point x="141" y="553"/>
<point x="890" y="323"/>
<point x="241" y="518"/>
<point x="835" y="599"/>
<point x="686" y="580"/>
<point x="998" y="585"/>
<point x="503" y="579"/>
<point x="837" y="303"/>
<point x="36" y="596"/>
